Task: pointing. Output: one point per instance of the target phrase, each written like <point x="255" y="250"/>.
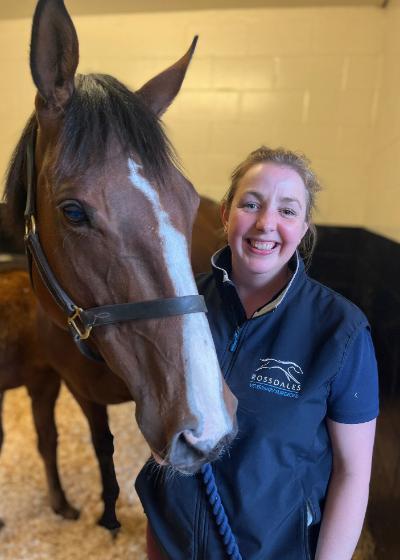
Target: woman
<point x="300" y="360"/>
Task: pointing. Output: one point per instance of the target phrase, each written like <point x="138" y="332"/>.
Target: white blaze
<point x="203" y="377"/>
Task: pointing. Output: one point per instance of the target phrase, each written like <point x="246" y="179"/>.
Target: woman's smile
<point x="261" y="247"/>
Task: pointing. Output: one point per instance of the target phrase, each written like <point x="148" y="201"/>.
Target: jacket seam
<point x="349" y="341"/>
<point x="196" y="524"/>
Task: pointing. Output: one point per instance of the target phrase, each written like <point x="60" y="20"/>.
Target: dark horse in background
<point x="114" y="217"/>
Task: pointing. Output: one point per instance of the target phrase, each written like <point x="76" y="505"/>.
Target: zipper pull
<point x="235" y="340"/>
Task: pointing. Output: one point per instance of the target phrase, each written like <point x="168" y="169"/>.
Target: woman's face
<point x="266" y="221"/>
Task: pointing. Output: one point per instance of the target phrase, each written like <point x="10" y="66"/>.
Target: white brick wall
<point x="324" y="81"/>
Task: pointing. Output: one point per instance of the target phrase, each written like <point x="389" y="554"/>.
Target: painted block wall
<point x="309" y="79"/>
<point x="382" y="210"/>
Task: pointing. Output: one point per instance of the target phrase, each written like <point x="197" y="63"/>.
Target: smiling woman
<point x="267" y="212"/>
<point x="291" y="161"/>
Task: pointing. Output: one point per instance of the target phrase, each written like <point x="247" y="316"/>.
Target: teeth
<point x="262" y="245"/>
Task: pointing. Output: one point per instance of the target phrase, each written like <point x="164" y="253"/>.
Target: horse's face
<point x="114" y="233"/>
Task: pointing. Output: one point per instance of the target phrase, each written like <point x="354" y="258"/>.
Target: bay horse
<point x="23" y="363"/>
<point x="23" y="359"/>
<point x="108" y="220"/>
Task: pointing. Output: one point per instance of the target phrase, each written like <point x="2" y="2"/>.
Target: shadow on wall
<point x="365" y="268"/>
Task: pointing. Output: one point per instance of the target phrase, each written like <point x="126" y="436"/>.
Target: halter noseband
<point x="80" y="322"/>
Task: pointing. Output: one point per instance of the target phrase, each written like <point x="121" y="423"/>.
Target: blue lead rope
<point x="221" y="518"/>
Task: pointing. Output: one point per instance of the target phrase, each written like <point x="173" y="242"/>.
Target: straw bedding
<point x="33" y="531"/>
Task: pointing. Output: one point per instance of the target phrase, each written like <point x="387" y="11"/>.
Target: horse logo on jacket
<point x="290" y="369"/>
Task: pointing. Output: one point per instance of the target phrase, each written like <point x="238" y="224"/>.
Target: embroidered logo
<point x="277" y="376"/>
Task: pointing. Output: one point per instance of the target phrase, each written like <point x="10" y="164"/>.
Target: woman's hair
<point x="299" y="163"/>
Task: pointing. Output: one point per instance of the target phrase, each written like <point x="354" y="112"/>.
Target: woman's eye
<point x="288" y="212"/>
<point x="250" y="205"/>
<point x="74" y="213"/>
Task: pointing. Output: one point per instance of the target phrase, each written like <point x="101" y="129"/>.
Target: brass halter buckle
<point x="83" y="333"/>
<point x="30" y="226"/>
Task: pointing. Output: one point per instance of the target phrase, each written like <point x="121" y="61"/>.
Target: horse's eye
<point x="74" y="213"/>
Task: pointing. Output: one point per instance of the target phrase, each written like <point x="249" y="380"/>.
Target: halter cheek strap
<point x="80" y="322"/>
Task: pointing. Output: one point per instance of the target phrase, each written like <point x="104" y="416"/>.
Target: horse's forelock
<point x="101" y="110"/>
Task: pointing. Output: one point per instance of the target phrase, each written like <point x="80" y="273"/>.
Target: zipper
<point x="310" y="513"/>
<point x="306" y="531"/>
<point x="308" y="520"/>
<point x="229" y="354"/>
<point x="235" y="340"/>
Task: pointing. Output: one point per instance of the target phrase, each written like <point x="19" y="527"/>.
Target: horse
<point x="23" y="359"/>
<point x="108" y="217"/>
<point x="23" y="363"/>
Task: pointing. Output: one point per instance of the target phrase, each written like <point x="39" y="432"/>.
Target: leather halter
<point x="80" y="322"/>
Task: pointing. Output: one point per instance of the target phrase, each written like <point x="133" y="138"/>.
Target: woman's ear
<point x="305" y="228"/>
<point x="224" y="216"/>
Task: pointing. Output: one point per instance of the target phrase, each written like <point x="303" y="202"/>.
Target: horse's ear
<point x="54" y="53"/>
<point x="160" y="91"/>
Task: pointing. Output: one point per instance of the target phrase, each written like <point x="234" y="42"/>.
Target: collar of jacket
<point x="222" y="268"/>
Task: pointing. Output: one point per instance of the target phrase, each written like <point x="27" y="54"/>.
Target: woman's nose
<point x="266" y="221"/>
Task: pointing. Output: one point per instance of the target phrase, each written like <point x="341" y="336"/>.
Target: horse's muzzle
<point x="188" y="457"/>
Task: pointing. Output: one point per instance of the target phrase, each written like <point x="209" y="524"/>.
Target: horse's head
<point x="114" y="215"/>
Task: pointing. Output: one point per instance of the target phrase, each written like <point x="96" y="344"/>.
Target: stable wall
<point x="382" y="208"/>
<point x="310" y="79"/>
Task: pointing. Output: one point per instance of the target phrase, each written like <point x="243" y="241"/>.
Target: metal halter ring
<point x="82" y="334"/>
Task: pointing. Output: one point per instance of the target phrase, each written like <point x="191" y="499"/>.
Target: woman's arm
<point x="347" y="497"/>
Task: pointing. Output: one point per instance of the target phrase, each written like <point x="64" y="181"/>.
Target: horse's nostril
<point x="189" y="445"/>
<point x="191" y="436"/>
<point x="185" y="456"/>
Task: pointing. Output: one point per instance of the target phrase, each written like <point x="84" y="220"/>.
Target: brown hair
<point x="299" y="163"/>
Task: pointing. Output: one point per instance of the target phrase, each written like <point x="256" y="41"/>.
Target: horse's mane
<point x="15" y="187"/>
<point x="101" y="109"/>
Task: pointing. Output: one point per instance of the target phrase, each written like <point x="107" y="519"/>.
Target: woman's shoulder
<point x="330" y="303"/>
